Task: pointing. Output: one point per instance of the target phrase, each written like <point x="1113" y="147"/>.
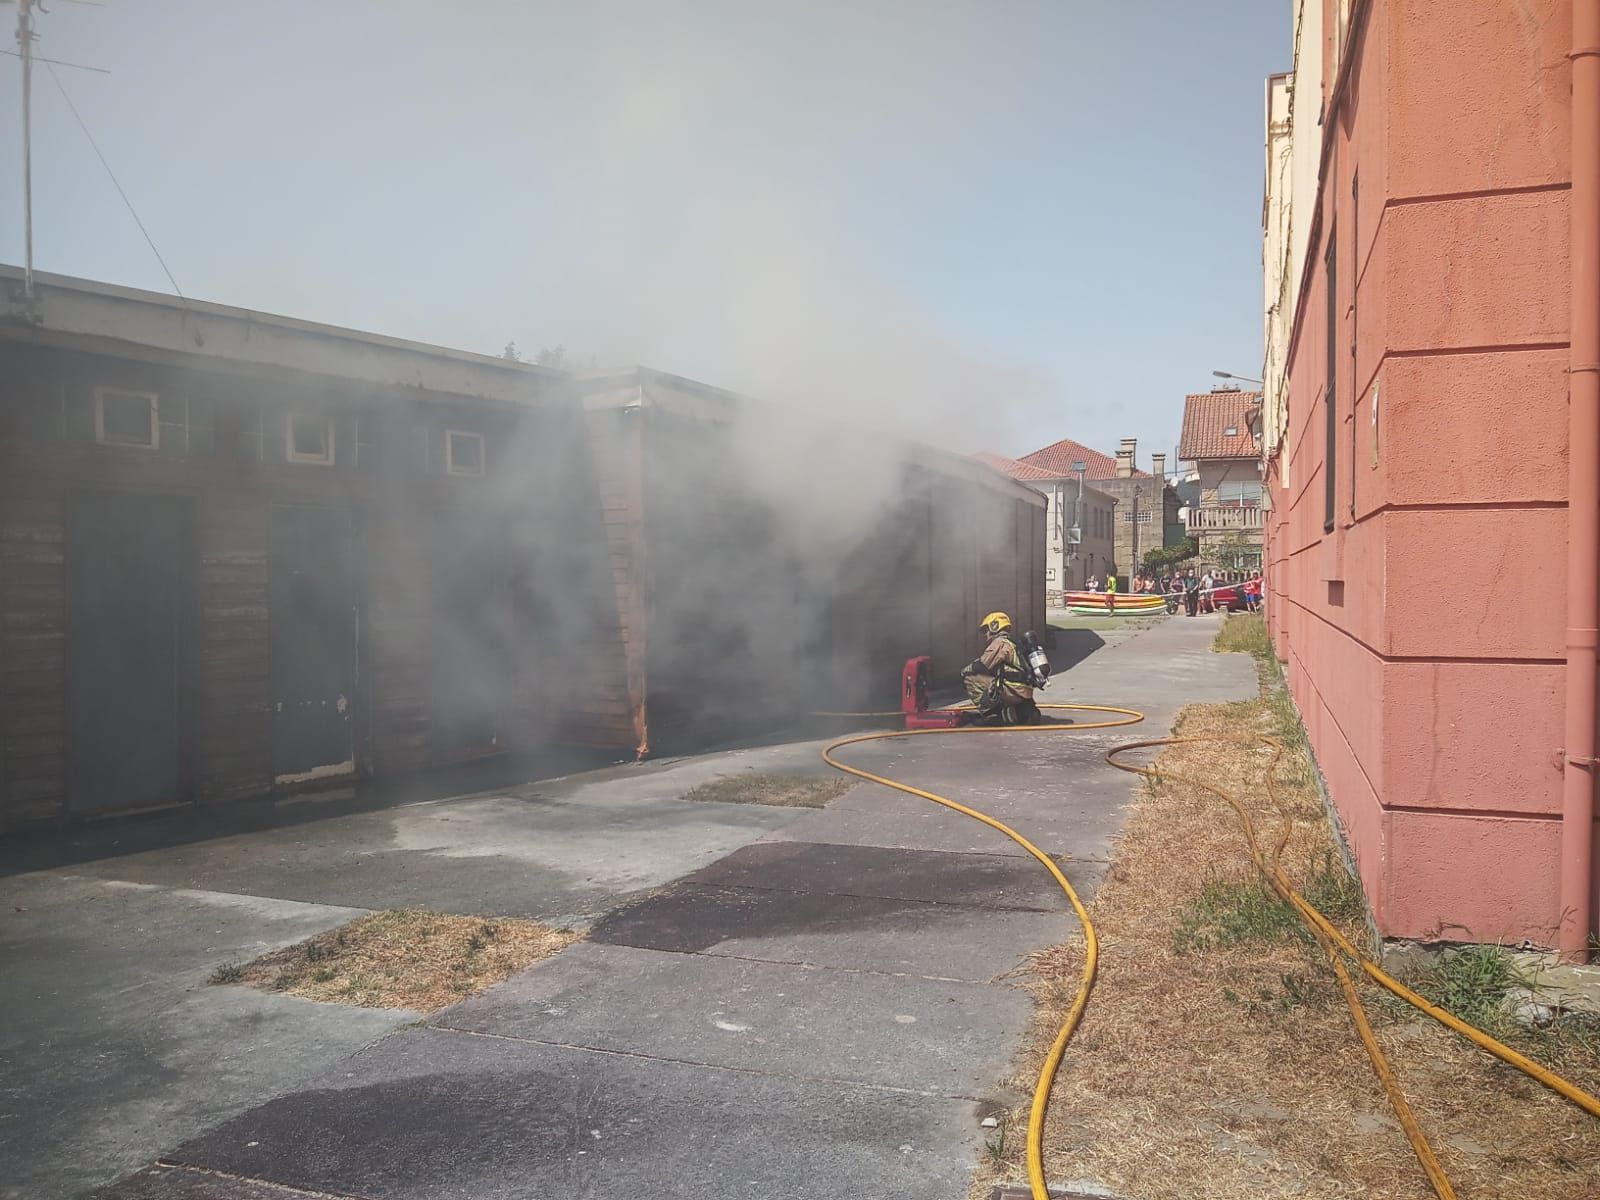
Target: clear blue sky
<point x="991" y="225"/>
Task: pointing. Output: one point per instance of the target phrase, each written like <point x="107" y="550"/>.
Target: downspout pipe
<point x="1583" y="493"/>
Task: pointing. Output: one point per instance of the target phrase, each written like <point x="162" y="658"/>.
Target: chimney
<point x="1125" y="457"/>
<point x="1158" y="466"/>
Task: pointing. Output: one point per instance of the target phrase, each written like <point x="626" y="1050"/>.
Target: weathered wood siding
<point x="222" y="442"/>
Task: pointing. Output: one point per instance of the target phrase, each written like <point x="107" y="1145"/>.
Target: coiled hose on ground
<point x="1333" y="943"/>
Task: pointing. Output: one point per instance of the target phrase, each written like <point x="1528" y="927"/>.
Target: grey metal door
<point x="130" y="643"/>
<point x="310" y="601"/>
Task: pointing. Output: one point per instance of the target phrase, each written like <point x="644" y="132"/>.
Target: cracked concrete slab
<point x="187" y="1183"/>
<point x="945" y="1037"/>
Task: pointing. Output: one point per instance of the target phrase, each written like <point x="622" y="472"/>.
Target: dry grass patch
<point x="402" y="958"/>
<point x="1217" y="1057"/>
<point x="782" y="791"/>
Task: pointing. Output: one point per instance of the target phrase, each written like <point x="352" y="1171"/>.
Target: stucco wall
<point x="1217" y="471"/>
<point x="1068" y="566"/>
<point x="1277" y="268"/>
<point x="1422" y="634"/>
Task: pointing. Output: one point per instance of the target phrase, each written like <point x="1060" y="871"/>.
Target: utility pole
<point x="1134" y="569"/>
<point x="25" y="49"/>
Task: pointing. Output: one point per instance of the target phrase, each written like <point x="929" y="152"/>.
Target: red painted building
<point x="1432" y="290"/>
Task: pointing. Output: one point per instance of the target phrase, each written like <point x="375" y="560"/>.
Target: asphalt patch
<point x="862" y="933"/>
<point x="427" y="1114"/>
<point x="930" y="876"/>
<point x="690" y="919"/>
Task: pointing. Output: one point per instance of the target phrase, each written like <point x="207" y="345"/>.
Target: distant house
<point x="1226" y="523"/>
<point x="1143" y="506"/>
<point x="1080" y="525"/>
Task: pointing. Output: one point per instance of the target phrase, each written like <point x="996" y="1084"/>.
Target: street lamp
<point x="1231" y="375"/>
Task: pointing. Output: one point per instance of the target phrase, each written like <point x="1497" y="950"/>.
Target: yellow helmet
<point x="995" y="622"/>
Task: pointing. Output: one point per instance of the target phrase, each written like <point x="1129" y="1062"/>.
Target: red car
<point x="1229" y="597"/>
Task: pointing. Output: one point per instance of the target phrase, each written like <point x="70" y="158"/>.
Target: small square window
<point x="310" y="438"/>
<point x="124" y="418"/>
<point x="1231" y="431"/>
<point x="463" y="453"/>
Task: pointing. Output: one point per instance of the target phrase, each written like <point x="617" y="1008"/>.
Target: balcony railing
<point x="1223" y="518"/>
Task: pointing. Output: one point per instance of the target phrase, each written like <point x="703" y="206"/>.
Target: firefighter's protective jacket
<point x="1001" y="657"/>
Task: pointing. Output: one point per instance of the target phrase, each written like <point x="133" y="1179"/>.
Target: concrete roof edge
<point x="84" y="293"/>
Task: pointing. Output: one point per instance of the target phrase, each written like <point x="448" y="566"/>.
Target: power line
<point x="131" y="210"/>
<point x="58" y="62"/>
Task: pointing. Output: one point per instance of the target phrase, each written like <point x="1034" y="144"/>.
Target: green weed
<point x="1473" y="982"/>
<point x="228" y="972"/>
<point x="1235" y="912"/>
<point x="1294" y="991"/>
<point x="1477" y="983"/>
<point x="995" y="1144"/>
<point x="1334" y="892"/>
<point x="1244" y="633"/>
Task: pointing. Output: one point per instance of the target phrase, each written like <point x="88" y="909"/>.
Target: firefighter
<point x="998" y="680"/>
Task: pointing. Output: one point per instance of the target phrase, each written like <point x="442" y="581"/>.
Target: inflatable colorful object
<point x="1090" y="604"/>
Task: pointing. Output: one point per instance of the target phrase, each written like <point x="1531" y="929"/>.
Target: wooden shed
<point x="240" y="552"/>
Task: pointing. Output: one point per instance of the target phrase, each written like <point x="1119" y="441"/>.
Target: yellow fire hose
<point x="1058" y="1048"/>
<point x="1333" y="943"/>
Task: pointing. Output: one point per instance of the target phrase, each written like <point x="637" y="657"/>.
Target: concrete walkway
<point x="815" y="1010"/>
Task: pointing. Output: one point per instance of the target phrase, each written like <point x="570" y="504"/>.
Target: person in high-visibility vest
<point x="1111" y="593"/>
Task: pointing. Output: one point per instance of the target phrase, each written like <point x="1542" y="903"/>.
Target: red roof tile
<point x="1057" y="458"/>
<point x="1011" y="467"/>
<point x="1207" y="419"/>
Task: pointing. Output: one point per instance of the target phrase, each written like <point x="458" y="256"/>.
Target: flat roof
<point x="88" y="315"/>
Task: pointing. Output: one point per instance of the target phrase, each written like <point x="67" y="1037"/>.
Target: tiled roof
<point x="1207" y="419"/>
<point x="1011" y="467"/>
<point x="1057" y="458"/>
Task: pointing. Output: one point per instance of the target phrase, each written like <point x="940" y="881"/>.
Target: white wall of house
<point x="1068" y="567"/>
<point x="1228" y="480"/>
<point x="1278" y="300"/>
<point x="1293" y="162"/>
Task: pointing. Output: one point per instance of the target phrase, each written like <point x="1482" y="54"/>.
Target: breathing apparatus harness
<point x="1033" y="671"/>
